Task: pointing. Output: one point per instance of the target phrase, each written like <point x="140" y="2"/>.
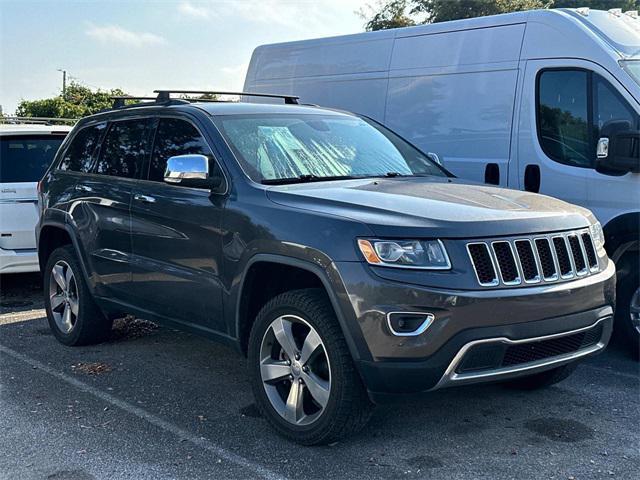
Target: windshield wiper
<point x="304" y="179"/>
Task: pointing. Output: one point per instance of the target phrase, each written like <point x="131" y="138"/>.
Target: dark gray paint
<point x="183" y="259"/>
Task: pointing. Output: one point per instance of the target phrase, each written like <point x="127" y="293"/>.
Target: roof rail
<point x="165" y="95"/>
<point x="37" y="120"/>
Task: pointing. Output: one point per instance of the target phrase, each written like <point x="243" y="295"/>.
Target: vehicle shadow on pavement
<point x="582" y="426"/>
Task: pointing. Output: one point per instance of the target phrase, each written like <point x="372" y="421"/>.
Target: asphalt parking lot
<point x="155" y="403"/>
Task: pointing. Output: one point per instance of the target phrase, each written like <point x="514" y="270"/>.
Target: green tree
<point x="400" y="13"/>
<point x="393" y="14"/>
<point x="78" y="101"/>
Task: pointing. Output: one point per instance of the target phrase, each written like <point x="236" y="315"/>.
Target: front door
<point x="554" y="142"/>
<point x="176" y="238"/>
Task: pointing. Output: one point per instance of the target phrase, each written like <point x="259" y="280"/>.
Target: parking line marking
<point x="149" y="417"/>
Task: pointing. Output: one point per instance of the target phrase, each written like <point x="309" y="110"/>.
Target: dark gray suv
<point x="347" y="265"/>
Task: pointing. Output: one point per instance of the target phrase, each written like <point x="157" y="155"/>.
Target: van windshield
<point x="25" y="158"/>
<point x="278" y="148"/>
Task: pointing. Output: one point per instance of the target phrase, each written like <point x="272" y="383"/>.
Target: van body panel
<point x="466" y="90"/>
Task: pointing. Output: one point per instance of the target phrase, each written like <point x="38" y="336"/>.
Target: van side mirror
<point x="191" y="171"/>
<point x="619" y="153"/>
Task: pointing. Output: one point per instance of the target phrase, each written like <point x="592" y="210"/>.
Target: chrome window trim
<point x="495" y="282"/>
<point x="450" y="377"/>
<point x="428" y="321"/>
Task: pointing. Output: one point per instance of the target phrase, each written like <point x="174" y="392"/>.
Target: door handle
<point x="144" y="198"/>
<point x="492" y="174"/>
<point x="83" y="188"/>
<point x="532" y="178"/>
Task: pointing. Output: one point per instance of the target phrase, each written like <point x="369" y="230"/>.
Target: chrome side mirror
<point x="188" y="170"/>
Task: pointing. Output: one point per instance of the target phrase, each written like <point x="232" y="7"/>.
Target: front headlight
<point x="423" y="254"/>
<point x="597" y="235"/>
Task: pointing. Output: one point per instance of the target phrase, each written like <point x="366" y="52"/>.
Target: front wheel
<point x="628" y="302"/>
<point x="301" y="371"/>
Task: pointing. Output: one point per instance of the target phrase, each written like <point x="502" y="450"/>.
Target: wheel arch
<point x="622" y="235"/>
<point x="53" y="235"/>
<point x="307" y="275"/>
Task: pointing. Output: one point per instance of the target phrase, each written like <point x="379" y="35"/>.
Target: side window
<point x="563" y="116"/>
<point x="611" y="112"/>
<point x="124" y="148"/>
<point x="174" y="137"/>
<point x="79" y="155"/>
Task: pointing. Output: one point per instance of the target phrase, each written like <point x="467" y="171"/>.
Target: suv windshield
<point x="24" y="158"/>
<point x="278" y="148"/>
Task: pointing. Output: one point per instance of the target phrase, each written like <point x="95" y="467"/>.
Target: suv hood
<point x="428" y="207"/>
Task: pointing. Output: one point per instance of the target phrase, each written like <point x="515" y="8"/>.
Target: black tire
<point x="348" y="407"/>
<point x="542" y="379"/>
<point x="628" y="284"/>
<point x="90" y="325"/>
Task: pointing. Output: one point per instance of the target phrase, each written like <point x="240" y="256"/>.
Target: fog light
<point x="409" y="324"/>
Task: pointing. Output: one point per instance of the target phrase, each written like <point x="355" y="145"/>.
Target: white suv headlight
<point x="422" y="254"/>
<point x="597" y="235"/>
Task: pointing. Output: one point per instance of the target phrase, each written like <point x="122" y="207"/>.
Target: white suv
<point x="26" y="150"/>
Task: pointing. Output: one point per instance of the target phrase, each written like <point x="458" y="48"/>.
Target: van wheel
<point x="542" y="379"/>
<point x="301" y="370"/>
<point x="73" y="316"/>
<point x="628" y="303"/>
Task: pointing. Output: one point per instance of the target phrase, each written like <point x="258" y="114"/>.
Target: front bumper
<point x="19" y="261"/>
<point x="391" y="364"/>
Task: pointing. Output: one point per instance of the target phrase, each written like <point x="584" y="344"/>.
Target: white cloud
<point x="294" y="15"/>
<point x="116" y="34"/>
<point x="197" y="11"/>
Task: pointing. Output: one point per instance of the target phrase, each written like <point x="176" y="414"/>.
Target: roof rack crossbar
<point x="120" y="100"/>
<point x="164" y="95"/>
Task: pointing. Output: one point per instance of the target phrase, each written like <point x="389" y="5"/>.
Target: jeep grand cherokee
<point x="346" y="264"/>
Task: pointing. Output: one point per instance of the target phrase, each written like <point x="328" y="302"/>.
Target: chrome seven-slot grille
<point x="539" y="259"/>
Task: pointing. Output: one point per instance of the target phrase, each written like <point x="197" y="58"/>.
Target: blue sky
<point x="143" y="45"/>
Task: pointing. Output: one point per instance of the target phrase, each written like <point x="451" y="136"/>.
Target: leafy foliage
<point x="78" y="101"/>
<point x="402" y="13"/>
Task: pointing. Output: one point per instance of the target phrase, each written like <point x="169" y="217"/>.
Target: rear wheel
<point x="73" y="316"/>
<point x="301" y="371"/>
<point x="542" y="379"/>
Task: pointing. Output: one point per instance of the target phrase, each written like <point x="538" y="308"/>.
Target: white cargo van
<point x="545" y="100"/>
<point x="26" y="150"/>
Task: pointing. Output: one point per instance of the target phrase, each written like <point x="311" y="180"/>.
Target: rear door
<point x="23" y="161"/>
<point x="176" y="236"/>
<point x="100" y="210"/>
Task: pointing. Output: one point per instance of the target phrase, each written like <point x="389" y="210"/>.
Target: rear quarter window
<point x="78" y="157"/>
<point x="25" y="158"/>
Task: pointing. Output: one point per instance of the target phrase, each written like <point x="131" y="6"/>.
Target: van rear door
<point x="23" y="161"/>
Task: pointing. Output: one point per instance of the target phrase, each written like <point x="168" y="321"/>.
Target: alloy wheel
<point x="634" y="309"/>
<point x="295" y="370"/>
<point x="63" y="296"/>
